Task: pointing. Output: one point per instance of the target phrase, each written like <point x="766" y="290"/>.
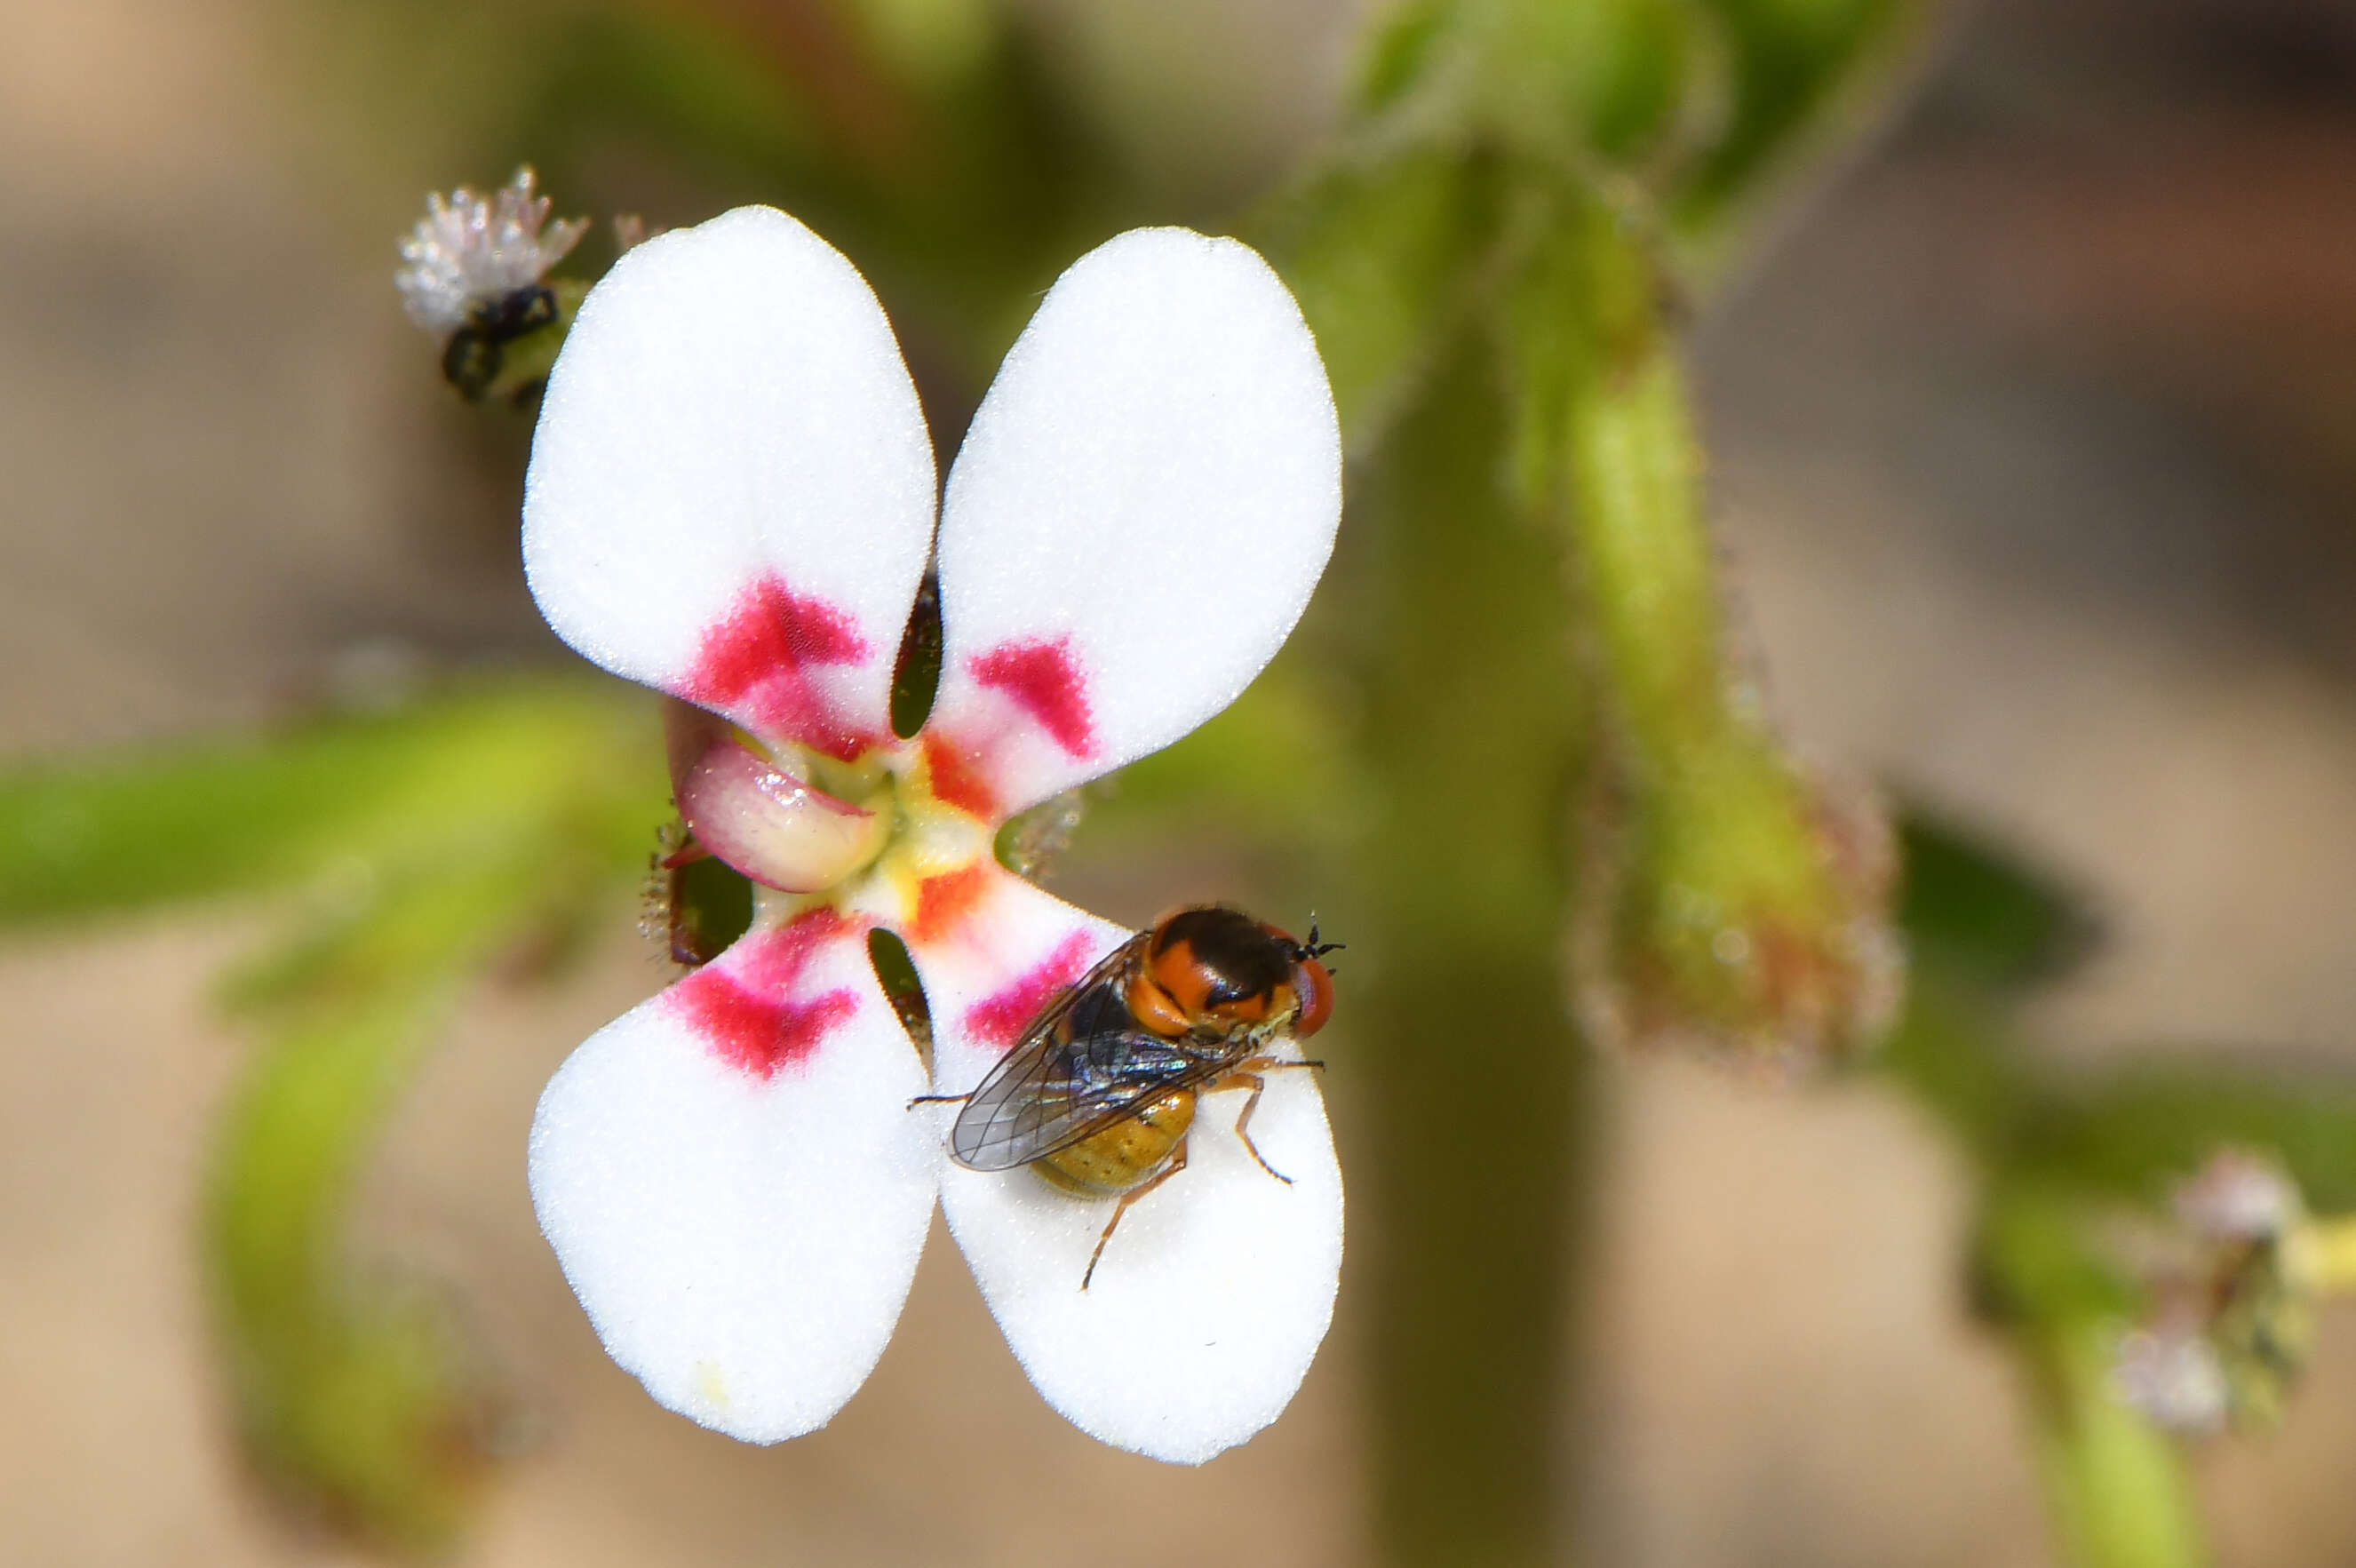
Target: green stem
<point x="492" y="831"/>
<point x="1653" y="594"/>
<point x="356" y="1398"/>
<point x="1473" y="727"/>
<point x="2114" y="1484"/>
<point x="1746" y="911"/>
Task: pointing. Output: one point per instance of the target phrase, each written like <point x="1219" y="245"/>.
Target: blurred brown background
<point x="2035" y="444"/>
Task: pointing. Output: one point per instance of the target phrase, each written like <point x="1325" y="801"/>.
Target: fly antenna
<point x="1312" y="948"/>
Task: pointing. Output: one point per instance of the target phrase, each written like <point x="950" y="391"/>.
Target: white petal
<point x="730" y="491"/>
<point x="997" y="950"/>
<point x="735" y="1187"/>
<point x="1216" y="1289"/>
<point x="1139" y="514"/>
<point x="1211" y="1298"/>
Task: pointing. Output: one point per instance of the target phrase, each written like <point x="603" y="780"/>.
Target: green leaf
<point x="336" y="800"/>
<point x="355" y="1392"/>
<point x="1794" y="65"/>
<point x="1977" y="907"/>
<point x="2133" y="1134"/>
<point x="1402" y="48"/>
<point x="450" y="838"/>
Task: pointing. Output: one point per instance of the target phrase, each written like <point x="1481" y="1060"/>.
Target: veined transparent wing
<point x="1084" y="1064"/>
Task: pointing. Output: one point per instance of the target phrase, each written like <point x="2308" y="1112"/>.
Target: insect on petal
<point x="732" y="1180"/>
<point x="1140" y="513"/>
<point x="1211" y="1298"/>
<point x="1216" y="1291"/>
<point x="730" y="491"/>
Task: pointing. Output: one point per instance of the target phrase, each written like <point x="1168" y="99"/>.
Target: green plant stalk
<point x="1474" y="724"/>
<point x="1737" y="913"/>
<point x="1653" y="596"/>
<point x="354" y="1398"/>
<point x="2116" y="1494"/>
<point x="473" y="830"/>
<point x="2114" y="1484"/>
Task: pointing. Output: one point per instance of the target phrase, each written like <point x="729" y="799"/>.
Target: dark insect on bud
<point x="477" y="352"/>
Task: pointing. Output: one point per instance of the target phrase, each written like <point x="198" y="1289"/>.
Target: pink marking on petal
<point x="1045" y="683"/>
<point x="756" y="660"/>
<point x="997" y="1020"/>
<point x="746" y="1010"/>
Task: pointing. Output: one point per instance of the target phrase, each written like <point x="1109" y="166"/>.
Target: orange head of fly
<point x="1312" y="983"/>
<point x="1214" y="969"/>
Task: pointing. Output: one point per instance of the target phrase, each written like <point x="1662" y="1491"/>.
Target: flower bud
<point x="476" y="276"/>
<point x="1734" y="901"/>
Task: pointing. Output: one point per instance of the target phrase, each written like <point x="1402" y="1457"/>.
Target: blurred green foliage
<point x="480" y="830"/>
<point x="2061" y="1154"/>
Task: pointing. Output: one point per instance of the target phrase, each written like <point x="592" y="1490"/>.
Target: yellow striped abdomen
<point x="1126" y="1154"/>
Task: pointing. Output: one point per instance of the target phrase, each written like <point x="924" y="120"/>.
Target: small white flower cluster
<point x="2174" y="1375"/>
<point x="469" y="249"/>
<point x="2237" y="1197"/>
<point x="2227" y="1325"/>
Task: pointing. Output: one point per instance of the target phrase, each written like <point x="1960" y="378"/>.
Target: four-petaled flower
<point x="732" y="499"/>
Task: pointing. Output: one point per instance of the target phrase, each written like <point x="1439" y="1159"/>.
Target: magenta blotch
<point x="997" y="1018"/>
<point x="745" y="1007"/>
<point x="1046" y="683"/>
<point x="754" y="661"/>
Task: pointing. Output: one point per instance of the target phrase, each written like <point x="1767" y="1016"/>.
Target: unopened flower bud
<point x="476" y="276"/>
<point x="1738" y="903"/>
<point x="1742" y="911"/>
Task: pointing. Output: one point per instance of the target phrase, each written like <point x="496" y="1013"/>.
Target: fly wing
<point x="1034" y="1080"/>
<point x="1082" y="1065"/>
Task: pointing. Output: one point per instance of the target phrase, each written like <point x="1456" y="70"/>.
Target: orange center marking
<point x="957" y="778"/>
<point x="942" y="901"/>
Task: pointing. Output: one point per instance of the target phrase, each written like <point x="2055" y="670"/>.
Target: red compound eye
<point x="1316" y="989"/>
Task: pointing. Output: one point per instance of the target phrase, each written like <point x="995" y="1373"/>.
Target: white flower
<point x="468" y="252"/>
<point x="2237" y="1196"/>
<point x="732" y="499"/>
<point x="2172" y="1373"/>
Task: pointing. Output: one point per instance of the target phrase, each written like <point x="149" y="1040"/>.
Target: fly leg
<point x="1177" y="1162"/>
<point x="1243" y="1076"/>
<point x="940" y="1100"/>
